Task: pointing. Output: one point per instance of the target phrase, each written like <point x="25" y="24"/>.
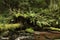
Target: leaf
<point x="29" y="30"/>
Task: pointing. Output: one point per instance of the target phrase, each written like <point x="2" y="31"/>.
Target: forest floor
<point x="22" y="35"/>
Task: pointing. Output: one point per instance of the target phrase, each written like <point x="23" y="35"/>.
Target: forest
<point x="28" y="16"/>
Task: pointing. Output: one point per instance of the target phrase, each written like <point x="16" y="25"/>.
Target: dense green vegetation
<point x="32" y="15"/>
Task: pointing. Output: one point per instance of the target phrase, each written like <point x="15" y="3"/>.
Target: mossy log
<point x="9" y="26"/>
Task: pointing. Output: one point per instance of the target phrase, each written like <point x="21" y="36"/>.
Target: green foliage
<point x="29" y="30"/>
<point x="39" y="13"/>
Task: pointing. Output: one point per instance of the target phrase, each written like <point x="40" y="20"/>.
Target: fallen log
<point x="46" y="35"/>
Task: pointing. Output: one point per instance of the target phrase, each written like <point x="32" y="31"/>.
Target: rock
<point x="23" y="37"/>
<point x="4" y="38"/>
